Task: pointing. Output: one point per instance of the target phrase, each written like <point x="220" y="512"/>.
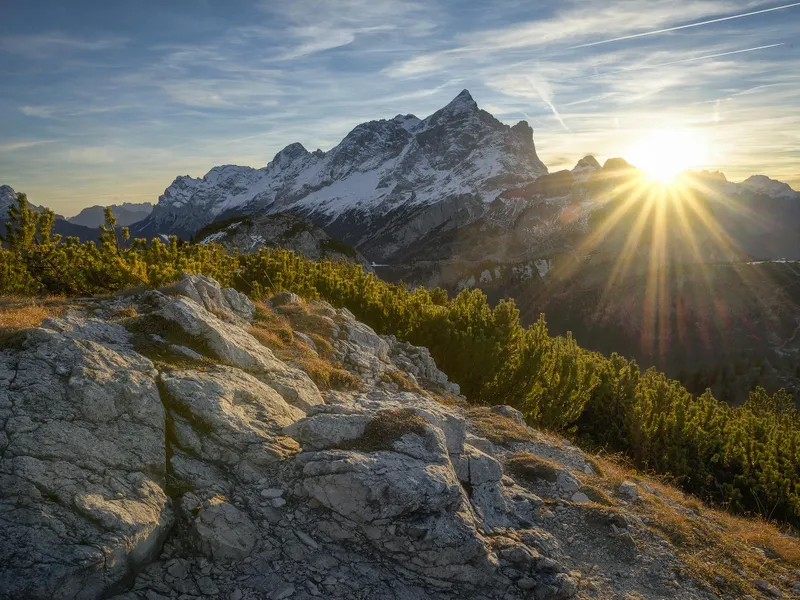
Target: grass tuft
<point x="385" y="429"/>
<point x="403" y="383"/>
<point x="497" y="428"/>
<point x="18" y="314"/>
<point x="143" y="330"/>
<point x="126" y="312"/>
<point x="596" y="494"/>
<point x="276" y="331"/>
<point x="532" y="467"/>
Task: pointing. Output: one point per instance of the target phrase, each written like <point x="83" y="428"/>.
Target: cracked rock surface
<point x="234" y="477"/>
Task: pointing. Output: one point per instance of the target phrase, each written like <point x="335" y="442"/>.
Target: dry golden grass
<point x="403" y="383"/>
<point x="532" y="467"/>
<point x="276" y="332"/>
<point x="719" y="550"/>
<point x="308" y="323"/>
<point x="127" y="312"/>
<point x="451" y="400"/>
<point x="497" y="428"/>
<point x="324" y="347"/>
<point x="23" y="313"/>
<point x="598" y="495"/>
<point x="20" y="313"/>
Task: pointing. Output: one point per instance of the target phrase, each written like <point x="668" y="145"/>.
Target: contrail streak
<point x="685" y="60"/>
<point x="667" y="30"/>
<point x="543" y="90"/>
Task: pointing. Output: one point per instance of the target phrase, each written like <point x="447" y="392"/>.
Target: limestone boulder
<point x="380" y="485"/>
<point x="82" y="464"/>
<point x="417" y="361"/>
<point x="223" y="532"/>
<point x="232" y="344"/>
<point x="224" y="415"/>
<point x="363" y="336"/>
<point x="208" y="293"/>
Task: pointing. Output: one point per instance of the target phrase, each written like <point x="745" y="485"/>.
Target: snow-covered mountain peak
<point x="462" y="103"/>
<point x="460" y="157"/>
<point x="289" y="154"/>
<point x="7" y="197"/>
<point x="225" y="173"/>
<point x="761" y="184"/>
<point x="460" y="109"/>
<point x="588" y="164"/>
<point x="407" y="122"/>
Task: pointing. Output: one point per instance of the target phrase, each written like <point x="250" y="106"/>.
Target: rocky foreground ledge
<point x="152" y="447"/>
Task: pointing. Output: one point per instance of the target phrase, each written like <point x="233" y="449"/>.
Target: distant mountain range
<point x="61" y="226"/>
<point x="85" y="224"/>
<point x="460" y="200"/>
<point x="126" y="214"/>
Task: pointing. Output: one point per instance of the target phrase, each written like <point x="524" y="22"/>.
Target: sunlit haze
<point x="665" y="154"/>
<point x="109" y="102"/>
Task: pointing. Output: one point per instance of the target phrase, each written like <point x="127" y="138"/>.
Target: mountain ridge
<point x="126" y="214"/>
<point x="425" y="172"/>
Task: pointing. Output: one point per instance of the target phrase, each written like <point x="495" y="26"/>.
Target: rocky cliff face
<point x="385" y="185"/>
<point x="152" y="447"/>
<point x="250" y="234"/>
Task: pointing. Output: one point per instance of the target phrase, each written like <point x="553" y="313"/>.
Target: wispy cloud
<point x="23" y="144"/>
<point x="45" y="45"/>
<point x="687" y="26"/>
<point x="557" y="32"/>
<point x="313" y="26"/>
<point x="528" y="86"/>
<point x="117" y="111"/>
<point x="688" y="60"/>
<point x="44" y="112"/>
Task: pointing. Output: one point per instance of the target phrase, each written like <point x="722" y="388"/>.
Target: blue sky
<point x="106" y="101"/>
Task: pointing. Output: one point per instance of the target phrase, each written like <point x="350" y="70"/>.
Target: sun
<point x="667" y="153"/>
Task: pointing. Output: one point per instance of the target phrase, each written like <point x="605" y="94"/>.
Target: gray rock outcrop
<point x="134" y="471"/>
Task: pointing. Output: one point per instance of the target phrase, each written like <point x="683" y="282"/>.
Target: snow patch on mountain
<point x="761" y="184"/>
<point x="585" y="167"/>
<point x="379" y="167"/>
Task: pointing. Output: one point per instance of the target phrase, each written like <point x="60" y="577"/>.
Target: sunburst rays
<point x="656" y="236"/>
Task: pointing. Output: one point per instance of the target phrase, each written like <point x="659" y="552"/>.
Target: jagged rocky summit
<point x="385" y="185"/>
<point x="151" y="447"/>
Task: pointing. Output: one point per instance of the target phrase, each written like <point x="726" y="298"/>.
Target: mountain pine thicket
<point x="746" y="458"/>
